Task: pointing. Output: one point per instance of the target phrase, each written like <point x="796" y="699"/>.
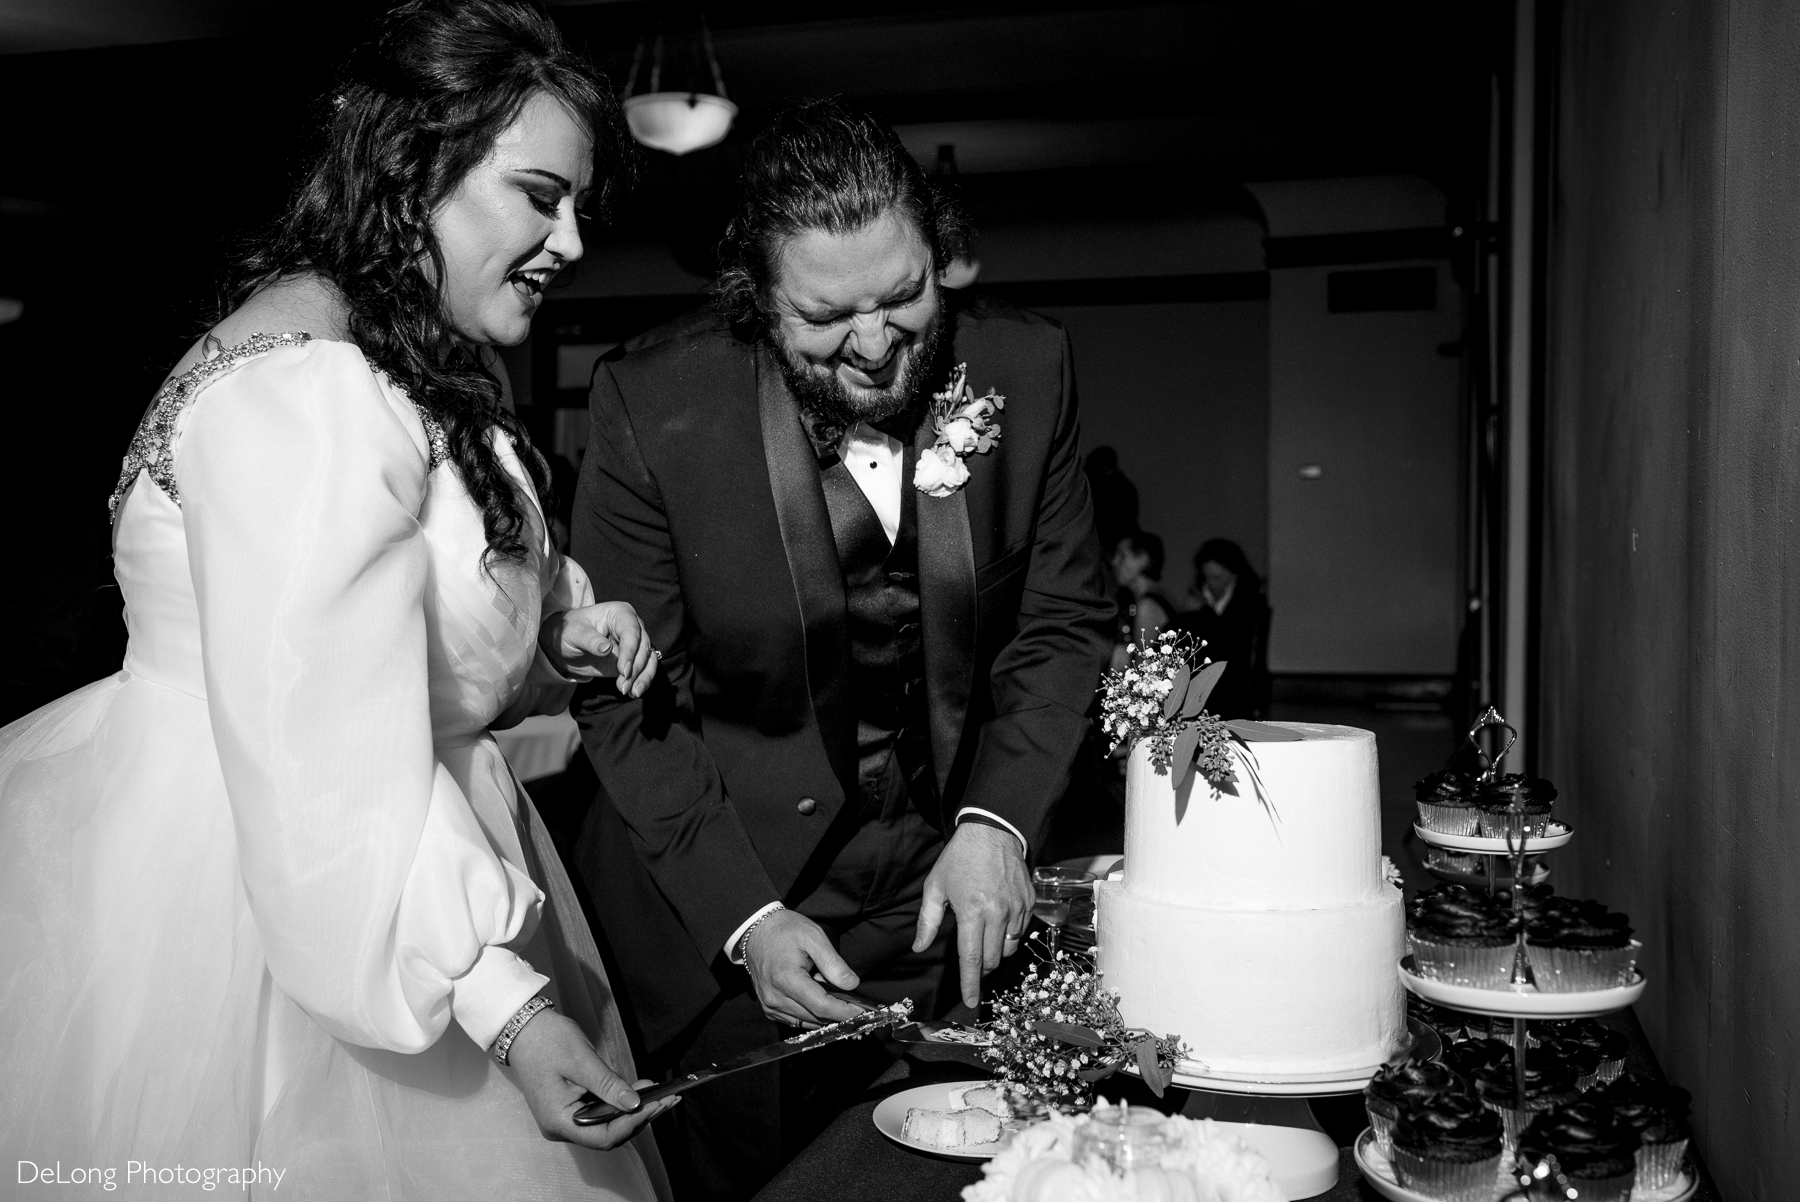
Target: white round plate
<point x="890" y="1117"/>
<point x="1379" y="1171"/>
<point x="1559" y="833"/>
<point x="1522" y="1003"/>
<point x="1316" y="1085"/>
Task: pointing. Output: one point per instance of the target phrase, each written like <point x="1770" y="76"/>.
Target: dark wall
<point x="1671" y="636"/>
<point x="1181" y="391"/>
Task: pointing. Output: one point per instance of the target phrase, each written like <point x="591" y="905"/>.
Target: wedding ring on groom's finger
<point x="655" y="654"/>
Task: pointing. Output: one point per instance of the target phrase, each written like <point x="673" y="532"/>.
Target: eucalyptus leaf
<point x="1072" y="1033"/>
<point x="1177" y="691"/>
<point x="1262" y="732"/>
<point x="1099" y="1072"/>
<point x="1150" y="1066"/>
<point x="1181" y="756"/>
<point x="1201" y="688"/>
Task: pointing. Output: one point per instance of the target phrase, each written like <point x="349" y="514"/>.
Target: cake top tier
<point x="1301" y="828"/>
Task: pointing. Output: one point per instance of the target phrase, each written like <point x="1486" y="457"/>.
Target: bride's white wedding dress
<point x="268" y="892"/>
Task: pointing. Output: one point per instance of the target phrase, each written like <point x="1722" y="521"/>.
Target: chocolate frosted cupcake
<point x="1610" y="1045"/>
<point x="1447" y="803"/>
<point x="1462" y="937"/>
<point x="1498" y="798"/>
<point x="1658" y="1112"/>
<point x="1581" y="1060"/>
<point x="1472" y="1055"/>
<point x="1593" y="1151"/>
<point x="1549" y="1083"/>
<point x="1448" y="1147"/>
<point x="1575" y="946"/>
<point x="1451" y="1025"/>
<point x="1395" y="1087"/>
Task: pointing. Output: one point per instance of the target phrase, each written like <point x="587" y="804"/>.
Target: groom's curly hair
<point x="417" y="108"/>
<point x="823" y="166"/>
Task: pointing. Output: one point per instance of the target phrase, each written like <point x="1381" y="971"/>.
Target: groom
<point x="879" y="638"/>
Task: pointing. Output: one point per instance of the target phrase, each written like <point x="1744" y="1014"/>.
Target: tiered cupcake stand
<point x="1521" y="1001"/>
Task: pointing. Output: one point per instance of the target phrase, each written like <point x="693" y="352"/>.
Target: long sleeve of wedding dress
<point x="382" y="907"/>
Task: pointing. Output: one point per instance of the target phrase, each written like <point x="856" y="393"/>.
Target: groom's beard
<point x="832" y="407"/>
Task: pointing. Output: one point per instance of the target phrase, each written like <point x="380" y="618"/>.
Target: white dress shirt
<point x="877" y="462"/>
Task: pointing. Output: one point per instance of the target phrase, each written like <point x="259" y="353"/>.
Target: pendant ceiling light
<point x="680" y="121"/>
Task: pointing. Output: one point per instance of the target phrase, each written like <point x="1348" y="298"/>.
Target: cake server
<point x="876" y="1018"/>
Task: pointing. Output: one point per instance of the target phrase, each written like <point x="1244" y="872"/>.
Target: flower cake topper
<point x="1160" y="696"/>
<point x="965" y="424"/>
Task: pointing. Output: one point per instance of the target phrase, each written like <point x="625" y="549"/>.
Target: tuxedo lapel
<point x="812" y="557"/>
<point x="947" y="608"/>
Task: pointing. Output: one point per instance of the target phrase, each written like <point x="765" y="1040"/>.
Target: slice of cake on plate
<point x="951" y="1128"/>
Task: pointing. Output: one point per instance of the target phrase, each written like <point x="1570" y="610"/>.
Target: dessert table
<point x="851" y="1160"/>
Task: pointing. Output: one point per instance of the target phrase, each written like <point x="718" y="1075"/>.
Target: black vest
<point x="887" y="661"/>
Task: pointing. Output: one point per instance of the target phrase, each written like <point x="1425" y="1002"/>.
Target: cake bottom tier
<point x="1250" y="991"/>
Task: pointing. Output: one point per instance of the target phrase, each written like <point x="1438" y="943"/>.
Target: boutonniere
<point x="965" y="424"/>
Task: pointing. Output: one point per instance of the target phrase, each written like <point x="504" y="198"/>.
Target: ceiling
<point x="160" y="117"/>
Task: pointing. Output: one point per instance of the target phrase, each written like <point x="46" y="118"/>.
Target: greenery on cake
<point x="1058" y="1032"/>
<point x="1160" y="696"/>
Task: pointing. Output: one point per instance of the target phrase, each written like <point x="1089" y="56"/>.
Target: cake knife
<point x="876" y="1018"/>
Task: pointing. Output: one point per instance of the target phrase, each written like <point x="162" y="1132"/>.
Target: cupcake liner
<point x="1450" y="820"/>
<point x="1610" y="1070"/>
<point x="1604" y="1189"/>
<point x="1587" y="1081"/>
<point x="1447" y="1180"/>
<point x="1659" y="1165"/>
<point x="1462" y="963"/>
<point x="1581" y="969"/>
<point x="1495" y="826"/>
<point x="1383" y="1127"/>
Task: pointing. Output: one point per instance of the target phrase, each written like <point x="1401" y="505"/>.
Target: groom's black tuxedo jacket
<point x="701" y="504"/>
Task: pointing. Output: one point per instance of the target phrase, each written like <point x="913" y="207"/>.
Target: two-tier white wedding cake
<point x="1260" y="928"/>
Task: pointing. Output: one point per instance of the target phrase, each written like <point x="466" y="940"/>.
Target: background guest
<point x="1233" y="619"/>
<point x="1137" y="564"/>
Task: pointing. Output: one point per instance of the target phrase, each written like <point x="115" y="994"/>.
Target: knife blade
<point x="877" y="1018"/>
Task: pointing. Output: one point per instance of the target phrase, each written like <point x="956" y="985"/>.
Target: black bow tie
<point x="900" y="427"/>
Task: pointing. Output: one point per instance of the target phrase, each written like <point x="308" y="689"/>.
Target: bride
<point x="273" y="910"/>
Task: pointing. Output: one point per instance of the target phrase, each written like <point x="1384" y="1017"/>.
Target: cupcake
<point x="1658" y="1112"/>
<point x="1579" y="946"/>
<point x="1548" y="1084"/>
<point x="1462" y="937"/>
<point x="1448" y="1147"/>
<point x="1396" y="1086"/>
<point x="1581" y="1060"/>
<point x="1610" y="1045"/>
<point x="1500" y="799"/>
<point x="1451" y="1025"/>
<point x="1587" y="1147"/>
<point x="1447" y="803"/>
<point x="1474" y="1054"/>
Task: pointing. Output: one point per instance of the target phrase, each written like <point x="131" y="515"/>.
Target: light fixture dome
<point x="679" y="122"/>
<point x="682" y="118"/>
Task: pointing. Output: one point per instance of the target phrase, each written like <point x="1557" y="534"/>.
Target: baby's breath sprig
<point x="1158" y="695"/>
<point x="1058" y="1032"/>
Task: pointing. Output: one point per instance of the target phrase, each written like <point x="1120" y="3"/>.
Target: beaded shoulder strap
<point x="152" y="448"/>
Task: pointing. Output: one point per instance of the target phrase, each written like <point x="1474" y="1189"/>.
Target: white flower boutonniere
<point x="965" y="425"/>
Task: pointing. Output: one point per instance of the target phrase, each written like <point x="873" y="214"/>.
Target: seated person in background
<point x="1137" y="563"/>
<point x="1233" y="620"/>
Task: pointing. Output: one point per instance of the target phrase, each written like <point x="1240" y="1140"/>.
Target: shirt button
<point x="806" y="807"/>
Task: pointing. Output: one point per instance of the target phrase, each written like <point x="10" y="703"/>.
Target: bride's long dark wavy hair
<point x="416" y="109"/>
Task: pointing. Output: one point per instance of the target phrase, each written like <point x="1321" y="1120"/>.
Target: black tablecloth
<point x="852" y="1160"/>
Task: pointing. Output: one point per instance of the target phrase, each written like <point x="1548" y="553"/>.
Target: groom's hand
<point x="786" y="949"/>
<point x="982" y="877"/>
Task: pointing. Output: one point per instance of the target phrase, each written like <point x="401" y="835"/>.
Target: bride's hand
<point x="554" y="1066"/>
<point x="601" y="640"/>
